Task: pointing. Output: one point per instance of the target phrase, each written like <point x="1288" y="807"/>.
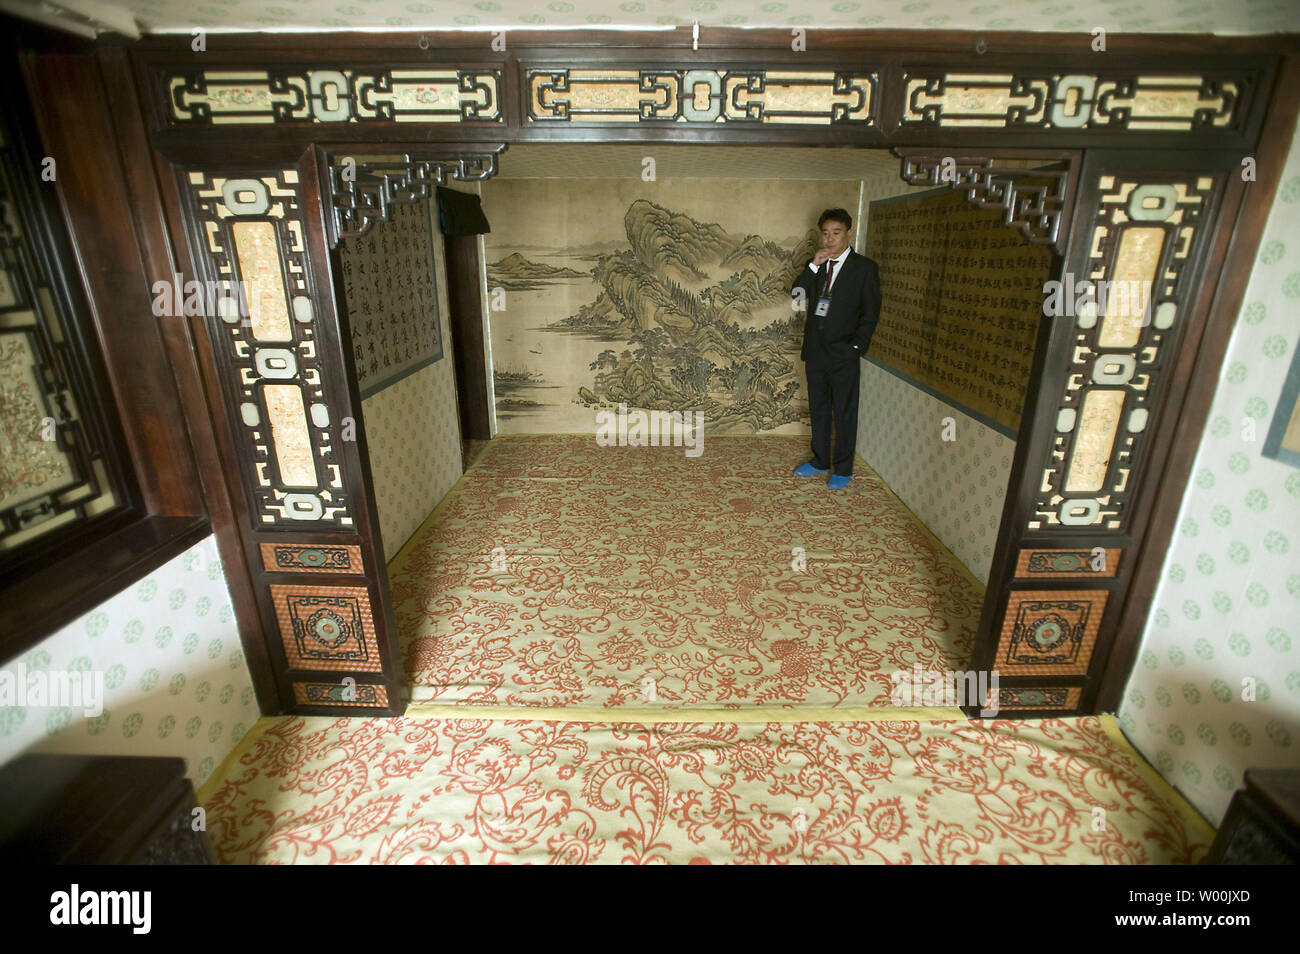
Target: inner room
<point x="547" y="549"/>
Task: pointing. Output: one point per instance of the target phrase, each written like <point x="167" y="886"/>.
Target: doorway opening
<point x="619" y="280"/>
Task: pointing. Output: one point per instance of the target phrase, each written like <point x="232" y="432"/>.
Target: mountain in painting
<point x="516" y="272"/>
<point x="707" y="318"/>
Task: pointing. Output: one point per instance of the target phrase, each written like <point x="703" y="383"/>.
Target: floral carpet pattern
<point x="559" y="573"/>
<point x="702" y="616"/>
<point x="434" y="791"/>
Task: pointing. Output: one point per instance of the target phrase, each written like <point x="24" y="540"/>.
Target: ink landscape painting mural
<point x="665" y="296"/>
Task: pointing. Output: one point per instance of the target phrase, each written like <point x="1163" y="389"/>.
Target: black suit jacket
<point x="845" y="332"/>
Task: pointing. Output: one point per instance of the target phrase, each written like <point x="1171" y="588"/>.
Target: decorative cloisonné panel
<point x="1126" y="307"/>
<point x="421" y="95"/>
<point x="771" y="96"/>
<point x="1084" y="101"/>
<point x="326" y="627"/>
<point x="1055" y="697"/>
<point x="265" y="333"/>
<point x="1048" y="564"/>
<point x="1049" y="632"/>
<point x="311" y="558"/>
<point x="363" y="695"/>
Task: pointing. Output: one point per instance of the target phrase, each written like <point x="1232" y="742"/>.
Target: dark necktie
<point x="830" y="269"/>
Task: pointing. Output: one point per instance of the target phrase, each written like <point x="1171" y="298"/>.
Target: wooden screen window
<point x="61" y="481"/>
<point x="97" y="474"/>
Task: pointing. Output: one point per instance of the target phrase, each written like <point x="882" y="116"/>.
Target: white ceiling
<point x="1066" y="16"/>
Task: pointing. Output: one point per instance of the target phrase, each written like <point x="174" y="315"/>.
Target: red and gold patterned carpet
<point x="561" y="574"/>
<point x="406" y="791"/>
<point x="616" y="659"/>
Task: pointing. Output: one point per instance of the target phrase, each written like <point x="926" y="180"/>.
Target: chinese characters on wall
<point x="962" y="300"/>
<point x="388" y="280"/>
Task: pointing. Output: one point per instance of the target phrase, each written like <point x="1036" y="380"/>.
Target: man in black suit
<point x="840" y="291"/>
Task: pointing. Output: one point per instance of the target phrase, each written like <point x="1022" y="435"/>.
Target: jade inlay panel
<point x="258" y="253"/>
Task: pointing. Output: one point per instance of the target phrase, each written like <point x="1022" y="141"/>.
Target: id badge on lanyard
<point x="823" y="303"/>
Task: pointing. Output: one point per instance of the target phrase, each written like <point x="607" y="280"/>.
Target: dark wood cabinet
<point x="99" y="810"/>
<point x="1262" y="826"/>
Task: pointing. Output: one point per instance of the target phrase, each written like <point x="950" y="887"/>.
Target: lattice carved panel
<point x="259" y="97"/>
<point x="1085" y="101"/>
<point x="1035" y="201"/>
<point x="1137" y="290"/>
<point x="54" y="470"/>
<point x="363" y="189"/>
<point x="265" y="333"/>
<point x="708" y="96"/>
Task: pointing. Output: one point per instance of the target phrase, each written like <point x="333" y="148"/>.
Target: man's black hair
<point x="836" y="215"/>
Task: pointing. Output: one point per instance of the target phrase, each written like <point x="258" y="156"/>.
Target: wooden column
<point x="307" y="522"/>
<point x="1109" y="382"/>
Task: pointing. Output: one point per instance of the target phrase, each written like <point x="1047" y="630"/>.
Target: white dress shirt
<point x="839" y="263"/>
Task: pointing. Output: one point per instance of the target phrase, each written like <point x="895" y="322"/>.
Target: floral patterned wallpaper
<point x="414" y="436"/>
<point x="955" y="487"/>
<point x="1217" y="686"/>
<point x="174" y="676"/>
<point x="412" y="423"/>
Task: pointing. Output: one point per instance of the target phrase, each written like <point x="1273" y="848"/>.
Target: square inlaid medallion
<point x="327" y="627"/>
<point x="1046" y="632"/>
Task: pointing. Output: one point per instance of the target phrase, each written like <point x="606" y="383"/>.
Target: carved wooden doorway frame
<point x="250" y="153"/>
